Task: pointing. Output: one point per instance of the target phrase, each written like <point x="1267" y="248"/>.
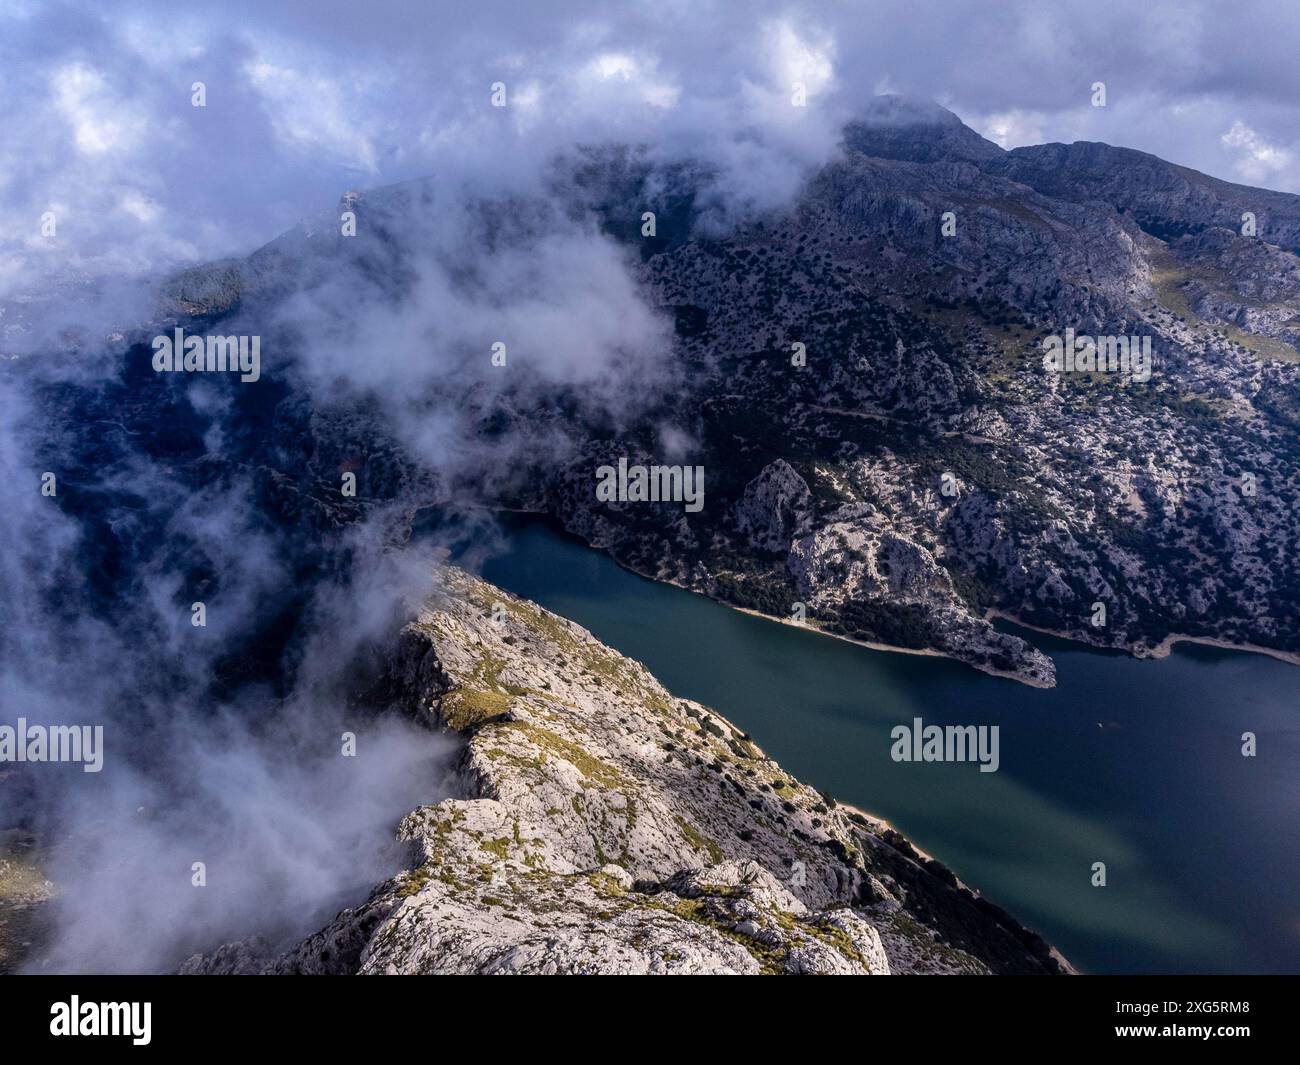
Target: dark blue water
<point x="1201" y="844"/>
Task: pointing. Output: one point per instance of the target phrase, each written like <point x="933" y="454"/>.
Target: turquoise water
<point x="1201" y="845"/>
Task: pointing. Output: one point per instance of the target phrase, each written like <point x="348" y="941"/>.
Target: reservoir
<point x="1135" y="764"/>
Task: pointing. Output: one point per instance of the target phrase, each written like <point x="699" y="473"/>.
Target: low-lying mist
<point x="186" y="566"/>
<point x="239" y="745"/>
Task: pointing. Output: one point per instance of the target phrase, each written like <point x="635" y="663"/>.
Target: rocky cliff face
<point x="608" y="826"/>
<point x="926" y="431"/>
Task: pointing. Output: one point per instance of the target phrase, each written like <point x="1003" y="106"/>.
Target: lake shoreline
<point x="1162" y="650"/>
<point x="925" y="652"/>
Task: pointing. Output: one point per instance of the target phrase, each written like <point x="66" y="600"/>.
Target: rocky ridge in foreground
<point x="609" y="827"/>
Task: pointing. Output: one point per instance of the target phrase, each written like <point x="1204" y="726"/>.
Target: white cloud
<point x="1258" y="159"/>
<point x="141" y="208"/>
<point x="100" y="121"/>
<point x="639" y="72"/>
<point x="306" y="100"/>
<point x="1011" y="129"/>
<point x="805" y="58"/>
<point x="316" y="114"/>
<point x="615" y="65"/>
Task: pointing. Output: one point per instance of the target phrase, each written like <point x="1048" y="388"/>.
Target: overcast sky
<point x="308" y="98"/>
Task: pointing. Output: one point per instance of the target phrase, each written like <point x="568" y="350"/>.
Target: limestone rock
<point x="608" y="826"/>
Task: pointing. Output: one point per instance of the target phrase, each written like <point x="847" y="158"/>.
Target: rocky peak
<point x="916" y="130"/>
<point x="605" y="825"/>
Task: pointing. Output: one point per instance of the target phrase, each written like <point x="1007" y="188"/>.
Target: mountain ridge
<point x="604" y="825"/>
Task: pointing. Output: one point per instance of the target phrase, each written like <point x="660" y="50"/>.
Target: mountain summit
<point x="915" y="130"/>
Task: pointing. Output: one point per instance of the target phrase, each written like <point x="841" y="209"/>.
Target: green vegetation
<point x="700" y="841"/>
<point x="593" y="769"/>
<point x="415" y="881"/>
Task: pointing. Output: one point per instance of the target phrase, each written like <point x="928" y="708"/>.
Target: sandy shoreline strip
<point x="927" y="652"/>
<point x="1161" y="650"/>
<point x="1166" y="645"/>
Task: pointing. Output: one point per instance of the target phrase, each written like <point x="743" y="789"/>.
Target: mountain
<point x="860" y="374"/>
<point x="606" y="826"/>
<point x="924" y="367"/>
<point x="921" y="473"/>
<point x="915" y="130"/>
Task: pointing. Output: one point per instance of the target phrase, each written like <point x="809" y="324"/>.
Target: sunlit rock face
<point x="608" y="826"/>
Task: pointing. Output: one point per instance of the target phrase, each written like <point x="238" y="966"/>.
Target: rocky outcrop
<point x="774" y="508"/>
<point x="860" y="570"/>
<point x="25" y="898"/>
<point x="916" y="130"/>
<point x="608" y="826"/>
